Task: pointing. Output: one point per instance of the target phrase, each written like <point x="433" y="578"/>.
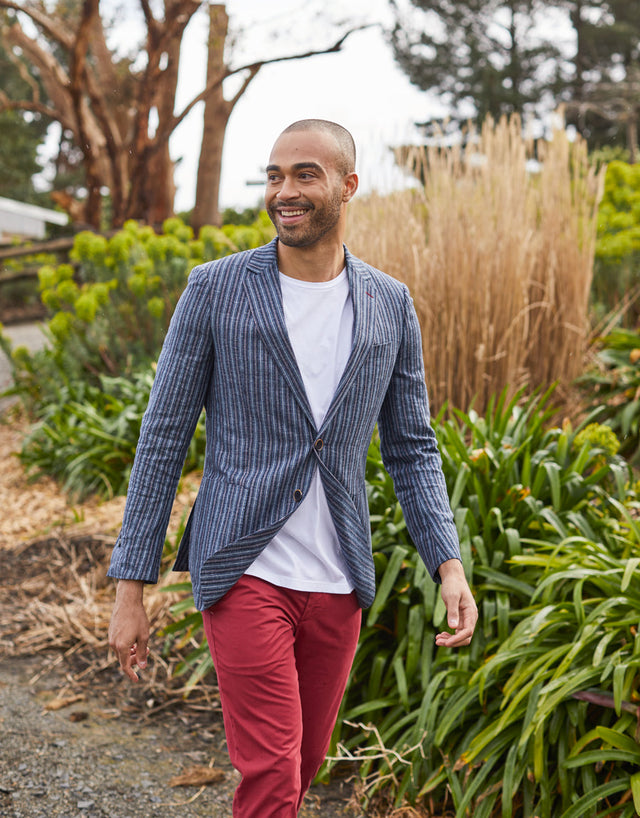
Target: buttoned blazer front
<point x="227" y="350"/>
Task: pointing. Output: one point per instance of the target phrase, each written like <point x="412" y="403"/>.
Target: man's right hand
<point x="129" y="628"/>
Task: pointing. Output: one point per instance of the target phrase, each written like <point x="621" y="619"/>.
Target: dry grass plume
<point x="498" y="259"/>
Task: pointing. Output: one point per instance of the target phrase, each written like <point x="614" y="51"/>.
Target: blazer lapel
<point x="363" y="297"/>
<point x="262" y="286"/>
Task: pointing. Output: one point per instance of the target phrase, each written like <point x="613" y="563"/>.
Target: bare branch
<point x="23" y="71"/>
<point x="7" y="104"/>
<point x="77" y="67"/>
<point x="54" y="77"/>
<point x="245" y="84"/>
<point x="150" y="20"/>
<point x="78" y="74"/>
<point x="253" y="69"/>
<point x="103" y="64"/>
<point x="612" y="109"/>
<point x="47" y="24"/>
<point x="177" y="19"/>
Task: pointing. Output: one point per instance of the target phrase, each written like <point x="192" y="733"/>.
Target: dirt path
<point x="28" y="334"/>
<point x="100" y="755"/>
<point x="105" y="755"/>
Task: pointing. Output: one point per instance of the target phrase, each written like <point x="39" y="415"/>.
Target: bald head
<point x="346" y="148"/>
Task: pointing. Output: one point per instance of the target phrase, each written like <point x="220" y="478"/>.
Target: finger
<point x="463" y="633"/>
<point x="453" y="612"/>
<point x="126" y="655"/>
<point x="460" y="638"/>
<point x="142" y="651"/>
<point x="127" y="669"/>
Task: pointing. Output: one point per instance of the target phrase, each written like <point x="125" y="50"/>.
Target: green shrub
<point x="110" y="309"/>
<point x="426" y="723"/>
<point x="88" y="388"/>
<point x="86" y="439"/>
<point x="612" y="388"/>
<point x="617" y="267"/>
<point x="19" y="299"/>
<point x="564" y="739"/>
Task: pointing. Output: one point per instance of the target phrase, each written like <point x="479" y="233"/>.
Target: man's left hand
<point x="462" y="612"/>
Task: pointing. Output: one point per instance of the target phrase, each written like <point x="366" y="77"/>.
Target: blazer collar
<point x="263" y="290"/>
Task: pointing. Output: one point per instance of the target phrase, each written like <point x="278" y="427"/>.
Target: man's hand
<point x="129" y="628"/>
<point x="462" y="613"/>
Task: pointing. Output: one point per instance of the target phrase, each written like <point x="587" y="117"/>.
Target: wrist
<point x="450" y="568"/>
<point x="130" y="589"/>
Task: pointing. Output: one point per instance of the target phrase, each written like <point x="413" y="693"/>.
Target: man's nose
<point x="289" y="189"/>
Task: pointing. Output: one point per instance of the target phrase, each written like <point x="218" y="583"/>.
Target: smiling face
<point x="306" y="190"/>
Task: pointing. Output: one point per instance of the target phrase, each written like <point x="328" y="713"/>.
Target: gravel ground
<point x="94" y="759"/>
<point x="104" y="756"/>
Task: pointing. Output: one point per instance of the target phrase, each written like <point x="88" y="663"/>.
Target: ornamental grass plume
<point x="498" y="258"/>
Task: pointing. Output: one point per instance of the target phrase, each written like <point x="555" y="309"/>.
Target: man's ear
<point x="350" y="185"/>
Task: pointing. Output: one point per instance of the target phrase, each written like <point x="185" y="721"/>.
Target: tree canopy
<point x="505" y="56"/>
<point x="22" y="133"/>
<point x="481" y="57"/>
<point x="603" y="95"/>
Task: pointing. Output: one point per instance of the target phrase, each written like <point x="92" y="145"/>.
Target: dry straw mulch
<point x="55" y="597"/>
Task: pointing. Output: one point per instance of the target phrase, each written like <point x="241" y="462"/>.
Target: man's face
<point x="305" y="189"/>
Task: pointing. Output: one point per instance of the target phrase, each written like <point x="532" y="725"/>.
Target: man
<point x="295" y="350"/>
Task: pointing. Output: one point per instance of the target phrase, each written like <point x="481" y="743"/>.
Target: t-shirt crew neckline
<point x="319" y="285"/>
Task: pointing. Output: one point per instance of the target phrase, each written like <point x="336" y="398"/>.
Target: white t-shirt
<point x="305" y="554"/>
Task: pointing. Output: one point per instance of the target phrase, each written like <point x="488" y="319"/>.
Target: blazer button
<point x="318" y="444"/>
<point x="297" y="495"/>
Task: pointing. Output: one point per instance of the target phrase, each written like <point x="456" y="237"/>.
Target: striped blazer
<point x="227" y="350"/>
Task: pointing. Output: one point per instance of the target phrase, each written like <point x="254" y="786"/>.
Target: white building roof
<point x="17" y="218"/>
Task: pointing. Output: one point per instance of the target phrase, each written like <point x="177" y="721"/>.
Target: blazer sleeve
<point x="176" y="401"/>
<point x="410" y="452"/>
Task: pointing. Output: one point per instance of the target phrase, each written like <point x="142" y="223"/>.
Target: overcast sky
<point x="360" y="87"/>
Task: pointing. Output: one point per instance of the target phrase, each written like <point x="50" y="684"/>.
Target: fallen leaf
<point x="108" y="713"/>
<point x="197" y="777"/>
<point x="64" y="701"/>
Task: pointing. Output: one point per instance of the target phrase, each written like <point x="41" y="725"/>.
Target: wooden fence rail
<point x="33" y="248"/>
<point x="28" y="272"/>
<point x="22" y="303"/>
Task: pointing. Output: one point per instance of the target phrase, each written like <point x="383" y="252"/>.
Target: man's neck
<point x="316" y="263"/>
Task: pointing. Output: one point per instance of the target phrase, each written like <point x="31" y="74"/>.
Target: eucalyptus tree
<point x="118" y="110"/>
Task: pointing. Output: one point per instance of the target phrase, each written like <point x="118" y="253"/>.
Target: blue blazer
<point x="227" y="350"/>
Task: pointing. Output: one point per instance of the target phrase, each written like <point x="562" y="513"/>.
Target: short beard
<point x="321" y="222"/>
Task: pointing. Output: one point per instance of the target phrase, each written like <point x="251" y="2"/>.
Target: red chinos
<point x="282" y="659"/>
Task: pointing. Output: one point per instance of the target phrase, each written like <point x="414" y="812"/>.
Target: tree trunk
<point x="216" y="116"/>
<point x="161" y="177"/>
<point x="575" y="15"/>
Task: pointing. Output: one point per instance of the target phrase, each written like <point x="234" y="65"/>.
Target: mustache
<point x="290" y="205"/>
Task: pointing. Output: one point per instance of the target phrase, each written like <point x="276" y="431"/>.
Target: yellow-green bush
<point x="617" y="269"/>
<point x="110" y="308"/>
